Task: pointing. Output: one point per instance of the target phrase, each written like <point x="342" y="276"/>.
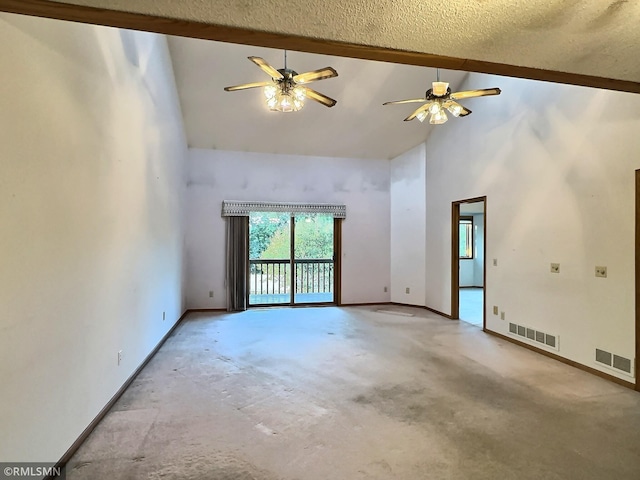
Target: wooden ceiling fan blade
<point x="266" y="68"/>
<point x="475" y="93"/>
<point x="245" y="86"/>
<point x="413" y="100"/>
<point x="314" y="76"/>
<point x="418" y="111"/>
<point x="319" y="97"/>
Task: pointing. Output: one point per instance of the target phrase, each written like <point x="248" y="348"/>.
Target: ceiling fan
<point x="285" y="92"/>
<point x="439" y="99"/>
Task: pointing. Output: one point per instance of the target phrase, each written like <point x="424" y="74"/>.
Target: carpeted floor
<point x="351" y="393"/>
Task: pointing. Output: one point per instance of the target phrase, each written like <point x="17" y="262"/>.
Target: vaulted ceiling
<point x="584" y="42"/>
<point x="358" y="126"/>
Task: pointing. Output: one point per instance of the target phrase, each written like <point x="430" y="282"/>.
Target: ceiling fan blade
<point x="244" y="86"/>
<point x="266" y="68"/>
<point x="319" y="97"/>
<point x="418" y="111"/>
<point x="413" y="100"/>
<point x="316" y="75"/>
<point x="475" y="93"/>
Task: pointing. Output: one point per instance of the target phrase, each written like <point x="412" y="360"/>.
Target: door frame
<point x="637" y="279"/>
<point x="455" y="259"/>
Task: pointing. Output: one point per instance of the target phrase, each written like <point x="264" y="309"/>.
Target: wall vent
<point x="614" y="361"/>
<point x="533" y="336"/>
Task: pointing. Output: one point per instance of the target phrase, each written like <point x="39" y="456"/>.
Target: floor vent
<point x="534" y="336"/>
<point x="614" y="361"/>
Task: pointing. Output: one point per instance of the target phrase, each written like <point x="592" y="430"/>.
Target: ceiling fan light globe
<point x="422" y="116"/>
<point x="299" y="93"/>
<point x="434" y="108"/>
<point x="272" y="103"/>
<point x="455" y="110"/>
<point x="438" y="118"/>
<point x="270" y="91"/>
<point x="297" y="104"/>
<point x="285" y="103"/>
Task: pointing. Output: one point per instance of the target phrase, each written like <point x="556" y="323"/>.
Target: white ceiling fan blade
<point x="475" y="93"/>
<point x="266" y="68"/>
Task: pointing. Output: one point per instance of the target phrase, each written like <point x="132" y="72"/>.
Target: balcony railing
<point x="273" y="277"/>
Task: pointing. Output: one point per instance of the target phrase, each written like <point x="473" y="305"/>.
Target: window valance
<point x="243" y="209"/>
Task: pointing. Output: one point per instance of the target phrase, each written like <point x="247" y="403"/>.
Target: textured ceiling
<point x="588" y="37"/>
<point x="359" y="126"/>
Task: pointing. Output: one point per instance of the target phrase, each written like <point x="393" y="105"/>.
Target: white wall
<point x="408" y="229"/>
<point x="92" y="152"/>
<point x="363" y="185"/>
<point x="557" y="165"/>
<point x="467" y="274"/>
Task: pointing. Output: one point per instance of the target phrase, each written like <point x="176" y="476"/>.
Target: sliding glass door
<point x="269" y="258"/>
<point x="291" y="259"/>
<point x="313" y="258"/>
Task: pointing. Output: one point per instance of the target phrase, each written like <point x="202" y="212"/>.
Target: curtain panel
<point x="237" y="263"/>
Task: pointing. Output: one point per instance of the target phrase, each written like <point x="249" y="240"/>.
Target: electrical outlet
<point x="601" y="272"/>
<point x="407" y="290"/>
<point x="119" y="357"/>
<point x="495" y="262"/>
<point x="210" y="293"/>
<point x="164" y="316"/>
<point x="495" y="309"/>
<point x="385" y="289"/>
<point x="555" y="268"/>
<point x="501" y="315"/>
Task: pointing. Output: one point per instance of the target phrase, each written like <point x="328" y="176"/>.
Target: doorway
<point x="468" y="274"/>
<point x="292" y="259"/>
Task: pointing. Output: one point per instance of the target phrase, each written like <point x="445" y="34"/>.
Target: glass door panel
<point x="269" y="258"/>
<point x="313" y="258"/>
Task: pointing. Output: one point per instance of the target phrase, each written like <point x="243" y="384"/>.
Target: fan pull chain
<point x="285" y="59"/>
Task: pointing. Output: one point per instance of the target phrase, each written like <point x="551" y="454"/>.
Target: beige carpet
<point x="352" y="393"/>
